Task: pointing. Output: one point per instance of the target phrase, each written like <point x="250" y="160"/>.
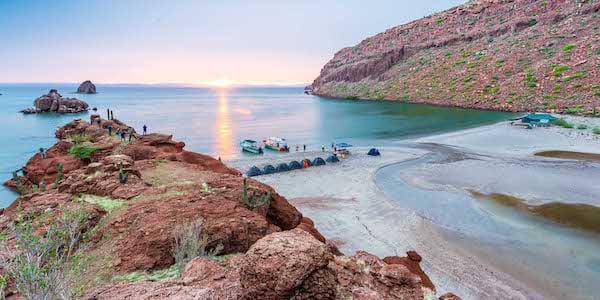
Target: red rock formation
<point x="489" y="54"/>
<point x="279" y="252"/>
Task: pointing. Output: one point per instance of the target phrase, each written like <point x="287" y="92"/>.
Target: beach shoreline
<point x="359" y="216"/>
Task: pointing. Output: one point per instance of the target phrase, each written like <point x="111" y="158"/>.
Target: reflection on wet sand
<point x="224" y="131"/>
<point x="569" y="155"/>
<point x="580" y="216"/>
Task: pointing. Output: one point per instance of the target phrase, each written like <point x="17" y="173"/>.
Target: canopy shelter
<point x="295" y="165"/>
<point x="318" y="162"/>
<point x="374" y="152"/>
<point x="343" y="145"/>
<point x="539" y="118"/>
<point x="332" y="159"/>
<point x="269" y="169"/>
<point x="282" y="167"/>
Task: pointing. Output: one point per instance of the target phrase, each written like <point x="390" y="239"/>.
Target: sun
<point x="221" y="83"/>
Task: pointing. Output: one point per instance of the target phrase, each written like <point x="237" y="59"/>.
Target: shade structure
<point x="254" y="171"/>
<point x="332" y="159"/>
<point x="269" y="169"/>
<point x="295" y="165"/>
<point x="282" y="167"/>
<point x="374" y="152"/>
<point x="318" y="162"/>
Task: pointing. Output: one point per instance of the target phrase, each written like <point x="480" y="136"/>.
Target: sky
<point x="188" y="41"/>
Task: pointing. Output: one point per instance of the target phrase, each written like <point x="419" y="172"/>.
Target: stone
<point x="55" y="102"/>
<point x="86" y="87"/>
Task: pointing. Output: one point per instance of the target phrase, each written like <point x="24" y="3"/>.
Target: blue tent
<point x="254" y="171"/>
<point x="295" y="165"/>
<point x="269" y="169"/>
<point x="282" y="167"/>
<point x="374" y="152"/>
<point x="538" y="118"/>
<point x="318" y="162"/>
<point x="332" y="159"/>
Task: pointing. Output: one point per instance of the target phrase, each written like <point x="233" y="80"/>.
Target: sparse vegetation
<point x="48" y="266"/>
<point x="105" y="203"/>
<point x="352" y="98"/>
<point x="82" y="152"/>
<point x="568" y="48"/>
<point x="20" y="188"/>
<point x="596" y="130"/>
<point x="582" y="127"/>
<point x="574" y="110"/>
<point x="59" y="176"/>
<point x="123" y="176"/>
<point x="557" y="71"/>
<point x="80" y="138"/>
<point x="253" y="202"/>
<point x="562" y="123"/>
<point x="190" y="242"/>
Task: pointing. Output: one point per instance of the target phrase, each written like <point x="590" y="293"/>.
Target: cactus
<point x="253" y="202"/>
<point x="34" y="188"/>
<point x="59" y="176"/>
<point x="122" y="174"/>
<point x="20" y="188"/>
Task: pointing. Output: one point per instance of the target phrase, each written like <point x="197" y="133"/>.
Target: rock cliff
<point x="55" y="102"/>
<point x="86" y="87"/>
<point x="264" y="252"/>
<point x="512" y="55"/>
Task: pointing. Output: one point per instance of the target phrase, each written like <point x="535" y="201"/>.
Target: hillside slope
<point x="513" y="55"/>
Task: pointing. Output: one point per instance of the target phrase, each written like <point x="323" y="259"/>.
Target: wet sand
<point x="344" y="201"/>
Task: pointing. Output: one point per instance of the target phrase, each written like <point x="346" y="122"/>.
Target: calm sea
<point x="213" y="121"/>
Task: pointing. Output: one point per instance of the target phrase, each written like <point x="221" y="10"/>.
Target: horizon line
<point x="177" y="84"/>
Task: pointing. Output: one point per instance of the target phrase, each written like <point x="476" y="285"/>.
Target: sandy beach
<point x="348" y="207"/>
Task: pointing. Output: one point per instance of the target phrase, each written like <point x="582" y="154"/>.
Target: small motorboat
<point x="251" y="146"/>
<point x="275" y="143"/>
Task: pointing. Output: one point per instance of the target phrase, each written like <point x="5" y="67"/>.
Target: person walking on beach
<point x="297" y="148"/>
<point x="109" y="127"/>
<point x="323" y="148"/>
<point x="332" y="145"/>
<point x="304" y="147"/>
<point x="145" y="128"/>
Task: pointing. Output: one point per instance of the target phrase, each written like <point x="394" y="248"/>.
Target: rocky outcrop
<point x="86" y="87"/>
<point x="55" y="102"/>
<point x="519" y="55"/>
<point x="265" y="252"/>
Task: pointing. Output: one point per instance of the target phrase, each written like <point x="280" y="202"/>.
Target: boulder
<point x="55" y="102"/>
<point x="86" y="87"/>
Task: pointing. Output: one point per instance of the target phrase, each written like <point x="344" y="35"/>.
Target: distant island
<point x="499" y="55"/>
<point x="86" y="87"/>
<point x="55" y="102"/>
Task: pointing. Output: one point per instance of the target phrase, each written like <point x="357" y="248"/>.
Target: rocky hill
<point x="55" y="102"/>
<point x="512" y="55"/>
<point x="138" y="194"/>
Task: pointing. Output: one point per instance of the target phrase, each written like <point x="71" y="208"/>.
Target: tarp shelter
<point x="254" y="171"/>
<point x="541" y="118"/>
<point x="374" y="152"/>
<point x="269" y="169"/>
<point x="318" y="162"/>
<point x="295" y="165"/>
<point x="332" y="159"/>
<point x="282" y="167"/>
<point x="343" y="145"/>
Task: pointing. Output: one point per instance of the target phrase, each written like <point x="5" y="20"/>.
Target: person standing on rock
<point x="43" y="153"/>
<point x="130" y="133"/>
<point x="109" y="127"/>
<point x="123" y="135"/>
<point x="145" y="128"/>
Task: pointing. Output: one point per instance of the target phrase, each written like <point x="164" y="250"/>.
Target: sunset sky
<point x="193" y="42"/>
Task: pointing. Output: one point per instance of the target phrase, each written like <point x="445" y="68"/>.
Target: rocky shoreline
<point x="264" y="252"/>
<point x="55" y="102"/>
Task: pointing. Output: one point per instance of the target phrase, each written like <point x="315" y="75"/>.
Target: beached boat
<point x="275" y="143"/>
<point x="251" y="146"/>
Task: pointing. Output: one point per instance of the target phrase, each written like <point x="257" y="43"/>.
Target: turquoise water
<point x="213" y="121"/>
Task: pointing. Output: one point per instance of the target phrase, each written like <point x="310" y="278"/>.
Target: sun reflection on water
<point x="224" y="130"/>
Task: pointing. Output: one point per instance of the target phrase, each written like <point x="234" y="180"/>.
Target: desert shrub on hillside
<point x="49" y="265"/>
<point x="191" y="242"/>
<point x="82" y="152"/>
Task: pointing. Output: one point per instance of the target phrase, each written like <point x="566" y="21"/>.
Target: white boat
<point x="276" y="143"/>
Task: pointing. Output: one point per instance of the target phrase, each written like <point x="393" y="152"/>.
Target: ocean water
<point x="213" y="121"/>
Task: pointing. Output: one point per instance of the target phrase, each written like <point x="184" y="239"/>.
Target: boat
<point x="251" y="146"/>
<point x="276" y="143"/>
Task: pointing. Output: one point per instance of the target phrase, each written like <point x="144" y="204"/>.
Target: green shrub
<point x="562" y="123"/>
<point x="49" y="265"/>
<point x="105" y="203"/>
<point x="352" y="98"/>
<point x="532" y="22"/>
<point x="557" y="71"/>
<point x="568" y="48"/>
<point x="20" y="188"/>
<point x="581" y="127"/>
<point x="80" y="138"/>
<point x="439" y="21"/>
<point x="469" y="78"/>
<point x="82" y="152"/>
<point x="596" y="130"/>
<point x="59" y="175"/>
<point x="499" y="62"/>
<point x="574" y="110"/>
<point x="253" y="202"/>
